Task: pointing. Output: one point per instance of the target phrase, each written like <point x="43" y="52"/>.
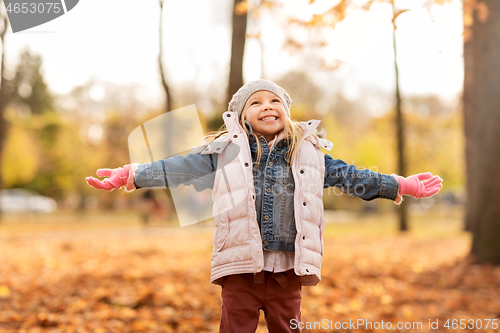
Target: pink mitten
<point x="117" y="178"/>
<point x="414" y="186"/>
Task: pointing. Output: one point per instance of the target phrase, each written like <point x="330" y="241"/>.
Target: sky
<point x="117" y="41"/>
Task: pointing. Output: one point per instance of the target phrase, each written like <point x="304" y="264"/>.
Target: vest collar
<point x="234" y="128"/>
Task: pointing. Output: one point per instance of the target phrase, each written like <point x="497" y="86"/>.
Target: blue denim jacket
<point x="274" y="185"/>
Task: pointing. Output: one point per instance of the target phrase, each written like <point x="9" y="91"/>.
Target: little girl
<point x="268" y="206"/>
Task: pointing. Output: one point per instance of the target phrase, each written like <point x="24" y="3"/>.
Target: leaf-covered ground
<point x="157" y="280"/>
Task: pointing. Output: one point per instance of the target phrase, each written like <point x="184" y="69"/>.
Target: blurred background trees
<point x="4" y="93"/>
<point x="52" y="150"/>
<point x="55" y="141"/>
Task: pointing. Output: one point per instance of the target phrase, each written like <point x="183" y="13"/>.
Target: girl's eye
<point x="254" y="102"/>
<point x="276" y="101"/>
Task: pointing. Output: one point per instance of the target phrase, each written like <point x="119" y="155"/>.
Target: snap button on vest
<point x="266" y="217"/>
<point x="268" y="190"/>
<point x="270" y="163"/>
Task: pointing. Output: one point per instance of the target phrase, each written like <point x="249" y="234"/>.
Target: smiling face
<point x="265" y="113"/>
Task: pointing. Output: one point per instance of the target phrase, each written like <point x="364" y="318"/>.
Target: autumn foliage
<point x="158" y="280"/>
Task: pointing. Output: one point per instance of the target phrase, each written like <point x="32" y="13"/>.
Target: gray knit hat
<point x="240" y="98"/>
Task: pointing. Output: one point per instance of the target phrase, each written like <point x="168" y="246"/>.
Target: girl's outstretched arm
<point x="368" y="185"/>
<point x="362" y="183"/>
<point x="193" y="169"/>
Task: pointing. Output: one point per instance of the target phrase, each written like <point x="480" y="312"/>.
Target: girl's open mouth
<point x="269" y="118"/>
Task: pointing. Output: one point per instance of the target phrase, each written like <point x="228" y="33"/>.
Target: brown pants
<point x="243" y="295"/>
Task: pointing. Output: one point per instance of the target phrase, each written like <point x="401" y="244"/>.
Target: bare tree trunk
<point x="169" y="106"/>
<point x="160" y="63"/>
<point x="468" y="110"/>
<point x="3" y="97"/>
<point x="237" y="50"/>
<point x="484" y="131"/>
<point x="402" y="209"/>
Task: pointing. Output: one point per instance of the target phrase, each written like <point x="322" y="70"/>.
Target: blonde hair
<point x="293" y="130"/>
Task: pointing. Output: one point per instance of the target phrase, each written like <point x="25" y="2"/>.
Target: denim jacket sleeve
<point x="193" y="169"/>
<point x="365" y="184"/>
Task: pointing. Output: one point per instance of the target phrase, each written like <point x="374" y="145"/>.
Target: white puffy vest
<point x="237" y="244"/>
